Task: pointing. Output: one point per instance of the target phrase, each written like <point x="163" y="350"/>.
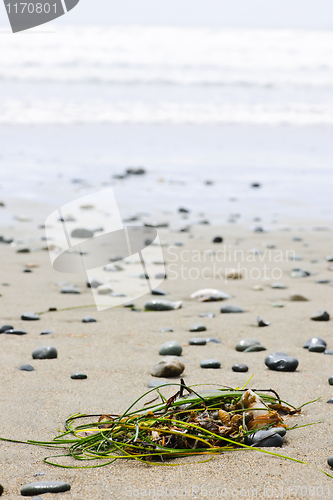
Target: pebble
<point x="162" y="305"/>
<point x="330" y="461"/>
<point x="4" y="328"/>
<point x="16" y="332"/>
<point x="30" y="317"/>
<point x="218" y="239"/>
<point x="299" y="273"/>
<point x="79" y="376"/>
<point x="298" y="298"/>
<point x="245" y="343"/>
<point x="168" y="367"/>
<point x="23" y="250"/>
<point x="198" y="328"/>
<point x="233" y="274"/>
<point x="82" y="233"/>
<point x="160" y="276"/>
<point x="315" y="341"/>
<point x="261" y="322"/>
<point x="94" y="283"/>
<point x="278" y="304"/>
<point x="330" y="380"/>
<point x="44" y="487"/>
<point x="88" y="319"/>
<point x="158" y="291"/>
<point x="69" y="289"/>
<point x="279" y="286"/>
<point x="45" y="352"/>
<point x="166" y="329"/>
<point x="1" y="489"/>
<point x="279" y="361"/>
<point x="207" y="315"/>
<point x="210" y="363"/>
<point x="27" y="368"/>
<point x="197" y="341"/>
<point x="316" y="348"/>
<point x="231" y="309"/>
<point x="320" y="316"/>
<point x="155" y="383"/>
<point x="213" y="340"/>
<point x="170" y="348"/>
<point x="104" y="289"/>
<point x="330" y="401"/>
<point x="329" y="351"/>
<point x="27" y="270"/>
<point x="266" y="438"/>
<point x="322" y="282"/>
<point x="210" y="295"/>
<point x="46" y="332"/>
<point x="241" y="367"/>
<point x="255" y="348"/>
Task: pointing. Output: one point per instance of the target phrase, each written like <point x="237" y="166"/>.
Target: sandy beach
<point x="118" y="352"/>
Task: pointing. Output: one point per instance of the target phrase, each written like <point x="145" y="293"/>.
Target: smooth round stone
<point x="171" y="348"/>
<point x="297" y="298"/>
<point x="26" y="368"/>
<point x="314" y="341"/>
<point x="88" y="319"/>
<point x="241" y="367"/>
<point x="329" y="351"/>
<point x="159" y="305"/>
<point x="45" y="352"/>
<point x="46" y="332"/>
<point x="316" y="348"/>
<point x="320" y="316"/>
<point x="168" y="367"/>
<point x="330" y="401"/>
<point x="30" y="317"/>
<point x="158" y="291"/>
<point x="255" y="348"/>
<point x="279" y="286"/>
<point x="198" y="328"/>
<point x="245" y="343"/>
<point x="207" y="315"/>
<point x="166" y="329"/>
<point x="210" y="363"/>
<point x="69" y="289"/>
<point x="41" y="487"/>
<point x="197" y="341"/>
<point x="218" y="239"/>
<point x="330" y="380"/>
<point x="213" y="340"/>
<point x="266" y="438"/>
<point x="155" y="383"/>
<point x="79" y="376"/>
<point x="231" y="309"/>
<point x="82" y="233"/>
<point x="330" y="461"/>
<point x="4" y="328"/>
<point x="280" y="361"/>
<point x="15" y="332"/>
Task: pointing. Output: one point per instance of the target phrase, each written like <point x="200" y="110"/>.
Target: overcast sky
<point x="308" y="14"/>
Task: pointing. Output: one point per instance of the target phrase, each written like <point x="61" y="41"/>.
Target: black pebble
<point x="330" y="461"/>
<point x="158" y="291"/>
<point x="241" y="367"/>
<point x="266" y="438"/>
<point x="261" y="322"/>
<point x="45" y="352"/>
<point x="320" y="316"/>
<point x="27" y="368"/>
<point x="330" y="401"/>
<point x="4" y="328"/>
<point x="16" y="332"/>
<point x="279" y="361"/>
<point x="30" y="317"/>
<point x="79" y="376"/>
<point x="46" y="332"/>
<point x="88" y="319"/>
<point x="218" y="239"/>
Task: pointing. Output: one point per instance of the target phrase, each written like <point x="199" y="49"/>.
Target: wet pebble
<point x="213" y="340"/>
<point x="320" y="316"/>
<point x="30" y="317"/>
<point x="46" y="332"/>
<point x="26" y="368"/>
<point x="4" y="328"/>
<point x="45" y="352"/>
<point x="330" y="461"/>
<point x="197" y="341"/>
<point x="255" y="348"/>
<point x="158" y="291"/>
<point x="104" y="289"/>
<point x="330" y="401"/>
<point x="330" y="380"/>
<point x="69" y="289"/>
<point x="314" y="341"/>
<point x="280" y="361"/>
<point x="168" y="367"/>
<point x="94" y="283"/>
<point x="261" y="322"/>
<point x="198" y="328"/>
<point x="162" y="305"/>
<point x="88" y="319"/>
<point x="299" y="273"/>
<point x="229" y="309"/>
<point x="316" y="348"/>
<point x="44" y="487"/>
<point x="15" y="332"/>
<point x="245" y="343"/>
<point x="210" y="363"/>
<point x="170" y="348"/>
<point x="218" y="239"/>
<point x="79" y="376"/>
<point x="241" y="367"/>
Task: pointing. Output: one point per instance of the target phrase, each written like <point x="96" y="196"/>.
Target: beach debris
<point x="88" y="319"/>
<point x="168" y="367"/>
<point x="162" y="305"/>
<point x="314" y="341"/>
<point x="218" y="239"/>
<point x="79" y="376"/>
<point x="240" y="367"/>
<point x="320" y="316"/>
<point x="210" y="363"/>
<point x="197" y="341"/>
<point x="213" y="340"/>
<point x="198" y="328"/>
<point x="170" y="348"/>
<point x="280" y="361"/>
<point x="230" y="309"/>
<point x="30" y="317"/>
<point x="45" y="352"/>
<point x="245" y="343"/>
<point x="233" y="274"/>
<point x="44" y="487"/>
<point x="261" y="322"/>
<point x="296" y="297"/>
<point x="210" y="295"/>
<point x="26" y="368"/>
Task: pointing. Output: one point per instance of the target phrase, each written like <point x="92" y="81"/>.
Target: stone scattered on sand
<point x="314" y="341"/>
<point x="210" y="363"/>
<point x="160" y="276"/>
<point x="323" y="282"/>
<point x="265" y="438"/>
<point x="158" y="291"/>
<point x="1" y="489"/>
<point x="197" y="341"/>
<point x="210" y="295"/>
<point x="329" y="351"/>
<point x="15" y="332"/>
<point x="207" y="315"/>
<point x="329" y="258"/>
<point x="82" y="233"/>
<point x="135" y="171"/>
<point x="170" y="348"/>
<point x="330" y="461"/>
<point x="316" y="348"/>
<point x="255" y="348"/>
<point x="168" y="367"/>
<point x="46" y="332"/>
<point x="240" y="367"/>
<point x="162" y="305"/>
<point x="280" y="361"/>
<point x="198" y="328"/>
<point x="296" y="297"/>
<point x="299" y="273"/>
<point x="30" y="317"/>
<point x="45" y="352"/>
<point x="330" y="380"/>
<point x="257" y="288"/>
<point x="23" y="250"/>
<point x="183" y="210"/>
<point x="104" y="289"/>
<point x="94" y="283"/>
<point x="113" y="268"/>
<point x="88" y="319"/>
<point x="4" y="328"/>
<point x="69" y="289"/>
<point x="213" y="340"/>
<point x="79" y="376"/>
<point x="218" y="239"/>
<point x="26" y="368"/>
<point x="166" y="329"/>
<point x="41" y="487"/>
<point x="245" y="343"/>
<point x="278" y="286"/>
<point x="155" y="383"/>
<point x="320" y="316"/>
<point x="261" y="322"/>
<point x="233" y="274"/>
<point x="330" y="401"/>
<point x="278" y="304"/>
<point x="229" y="309"/>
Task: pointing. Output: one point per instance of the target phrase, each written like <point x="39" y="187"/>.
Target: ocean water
<point x="189" y="104"/>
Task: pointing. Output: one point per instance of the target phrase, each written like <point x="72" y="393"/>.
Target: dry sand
<point x="118" y="352"/>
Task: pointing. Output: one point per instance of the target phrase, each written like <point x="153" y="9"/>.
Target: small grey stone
<point x="280" y="361"/>
<point x="159" y="305"/>
<point x="320" y="316"/>
<point x="166" y="329"/>
<point x="330" y="461"/>
<point x="45" y="352"/>
<point x="46" y="332"/>
<point x="213" y="340"/>
<point x="30" y="317"/>
<point x="198" y="328"/>
<point x="316" y="348"/>
<point x="69" y="289"/>
<point x="245" y="343"/>
<point x="279" y="286"/>
<point x="241" y="367"/>
<point x="88" y="319"/>
<point x="255" y="348"/>
<point x="330" y="380"/>
<point x="82" y="233"/>
<point x="15" y="332"/>
<point x="299" y="273"/>
<point x="79" y="376"/>
<point x="158" y="291"/>
<point x="210" y="363"/>
<point x="207" y="315"/>
<point x="330" y="401"/>
<point x="261" y="322"/>
<point x="329" y="351"/>
<point x="170" y="348"/>
<point x="4" y="328"/>
<point x="155" y="383"/>
<point x="41" y="487"/>
<point x="168" y="367"/>
<point x="323" y="282"/>
<point x="231" y="309"/>
<point x="314" y="340"/>
<point x="266" y="438"/>
<point x="197" y="341"/>
<point x="26" y="368"/>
